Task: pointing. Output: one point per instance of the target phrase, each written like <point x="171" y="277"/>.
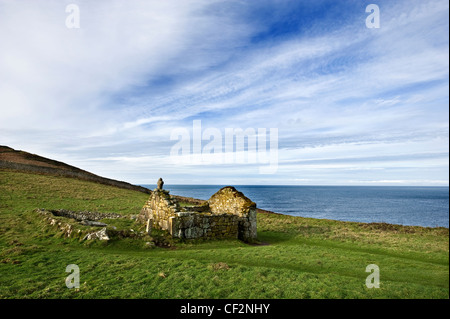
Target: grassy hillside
<point x="298" y="257"/>
<point x="31" y="163"/>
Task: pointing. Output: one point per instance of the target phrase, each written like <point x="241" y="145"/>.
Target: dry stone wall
<point x="83" y="216"/>
<point x="63" y="221"/>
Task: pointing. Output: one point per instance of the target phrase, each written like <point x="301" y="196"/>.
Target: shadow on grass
<point x="272" y="238"/>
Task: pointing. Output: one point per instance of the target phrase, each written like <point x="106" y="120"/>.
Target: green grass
<point x="298" y="257"/>
<point x="185" y="204"/>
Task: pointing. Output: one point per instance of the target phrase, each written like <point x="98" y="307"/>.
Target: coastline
<point x="408" y="206"/>
<point x="367" y="225"/>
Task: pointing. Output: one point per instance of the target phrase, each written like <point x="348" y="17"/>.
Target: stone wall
<point x="197" y="225"/>
<point x="73" y="224"/>
<point x="83" y="216"/>
<point x="158" y="209"/>
<point x="227" y="214"/>
<point x="230" y="201"/>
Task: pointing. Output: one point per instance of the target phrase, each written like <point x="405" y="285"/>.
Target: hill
<point x="27" y="162"/>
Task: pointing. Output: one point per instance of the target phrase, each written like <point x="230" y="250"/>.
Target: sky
<point x="137" y="90"/>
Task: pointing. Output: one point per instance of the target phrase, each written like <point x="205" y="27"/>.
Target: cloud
<point x="108" y="95"/>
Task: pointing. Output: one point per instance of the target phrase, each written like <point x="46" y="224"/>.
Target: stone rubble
<point x="100" y="235"/>
<point x="84" y="218"/>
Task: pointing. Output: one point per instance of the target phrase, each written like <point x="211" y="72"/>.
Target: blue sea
<point x="417" y="206"/>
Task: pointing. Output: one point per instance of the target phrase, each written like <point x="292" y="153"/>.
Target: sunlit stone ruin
<point x="227" y="214"/>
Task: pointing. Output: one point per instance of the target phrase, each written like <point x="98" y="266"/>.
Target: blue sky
<point x="352" y="105"/>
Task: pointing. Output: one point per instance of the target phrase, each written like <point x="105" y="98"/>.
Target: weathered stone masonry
<point x="227" y="214"/>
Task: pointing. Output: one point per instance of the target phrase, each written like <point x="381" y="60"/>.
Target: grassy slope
<point x="31" y="163"/>
<point x="305" y="258"/>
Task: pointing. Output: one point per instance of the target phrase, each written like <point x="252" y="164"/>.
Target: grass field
<point x="297" y="258"/>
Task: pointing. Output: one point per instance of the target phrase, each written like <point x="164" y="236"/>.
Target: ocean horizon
<point x="426" y="206"/>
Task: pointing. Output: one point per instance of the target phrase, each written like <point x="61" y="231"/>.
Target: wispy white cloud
<point x="107" y="96"/>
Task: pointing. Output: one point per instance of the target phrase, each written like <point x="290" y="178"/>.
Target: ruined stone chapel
<point x="227" y="214"/>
